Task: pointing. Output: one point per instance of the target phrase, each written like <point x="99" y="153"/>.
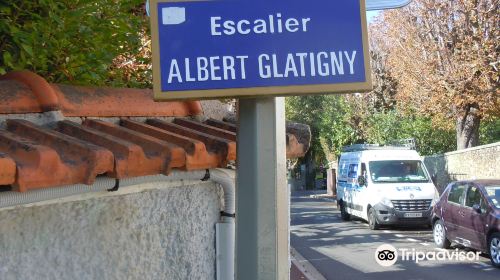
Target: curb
<point x="305" y="266"/>
<point x="324" y="197"/>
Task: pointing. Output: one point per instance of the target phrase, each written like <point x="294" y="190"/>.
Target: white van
<point x="384" y="185"/>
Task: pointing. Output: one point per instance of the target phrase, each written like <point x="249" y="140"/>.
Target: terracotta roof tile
<point x="26" y="92"/>
<point x="228" y="135"/>
<point x="194" y="153"/>
<point x="222" y="125"/>
<point x="72" y="153"/>
<point x="68" y="152"/>
<point x="157" y="153"/>
<point x="226" y="149"/>
<point x="124" y="102"/>
<point x="44" y="93"/>
<point x="130" y="158"/>
<point x="37" y="166"/>
<point x="7" y="170"/>
<point x="17" y="98"/>
<point x="56" y="159"/>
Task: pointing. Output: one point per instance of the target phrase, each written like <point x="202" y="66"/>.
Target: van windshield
<point x="396" y="171"/>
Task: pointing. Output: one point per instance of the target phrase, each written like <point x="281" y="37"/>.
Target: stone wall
<point x="149" y="231"/>
<point x="481" y="162"/>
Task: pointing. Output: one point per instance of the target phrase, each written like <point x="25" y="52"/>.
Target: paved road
<point x="346" y="250"/>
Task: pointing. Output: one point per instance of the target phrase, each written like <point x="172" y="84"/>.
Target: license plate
<point x="413" y="215"/>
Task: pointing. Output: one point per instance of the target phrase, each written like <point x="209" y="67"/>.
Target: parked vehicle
<point x="468" y="213"/>
<point x="385" y="185"/>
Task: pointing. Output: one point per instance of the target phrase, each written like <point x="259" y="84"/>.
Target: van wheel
<point x="494" y="249"/>
<point x="372" y="220"/>
<point x="439" y="234"/>
<point x="343" y="212"/>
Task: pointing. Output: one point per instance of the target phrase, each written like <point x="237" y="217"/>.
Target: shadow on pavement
<point x="317" y="228"/>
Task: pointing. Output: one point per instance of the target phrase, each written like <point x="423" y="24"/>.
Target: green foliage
<point x="307" y="110"/>
<point x="489" y="131"/>
<point x="336" y="129"/>
<point x="336" y="122"/>
<point x="74" y="41"/>
<point x="387" y="127"/>
<point x="328" y="116"/>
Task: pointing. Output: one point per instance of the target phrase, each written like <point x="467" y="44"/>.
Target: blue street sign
<point x="209" y="49"/>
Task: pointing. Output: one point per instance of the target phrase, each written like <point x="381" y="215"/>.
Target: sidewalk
<point x="318" y="194"/>
<point x="302" y="268"/>
<point x="296" y="274"/>
<point x="308" y="192"/>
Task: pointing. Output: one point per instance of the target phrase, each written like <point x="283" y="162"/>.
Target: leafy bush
<point x="76" y="41"/>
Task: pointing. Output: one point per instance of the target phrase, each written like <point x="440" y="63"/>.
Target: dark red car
<point x="468" y="213"/>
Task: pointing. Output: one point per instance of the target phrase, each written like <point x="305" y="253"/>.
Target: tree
<point x="337" y="126"/>
<point x="388" y="127"/>
<point x="329" y="117"/>
<point x="383" y="96"/>
<point x="445" y="57"/>
<point x="307" y="110"/>
<point x="378" y="117"/>
<point x="489" y="132"/>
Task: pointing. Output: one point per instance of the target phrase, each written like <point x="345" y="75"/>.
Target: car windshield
<point x="493" y="194"/>
<point x="396" y="171"/>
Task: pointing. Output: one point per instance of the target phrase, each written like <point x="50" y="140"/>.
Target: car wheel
<point x="343" y="212"/>
<point x="372" y="220"/>
<point x="494" y="245"/>
<point x="439" y="234"/>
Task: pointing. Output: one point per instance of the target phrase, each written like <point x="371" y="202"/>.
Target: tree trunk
<point x="468" y="127"/>
<point x="310" y="174"/>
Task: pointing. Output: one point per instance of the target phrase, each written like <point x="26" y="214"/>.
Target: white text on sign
<point x="218" y="68"/>
<point x="270" y="66"/>
<point x="274" y="24"/>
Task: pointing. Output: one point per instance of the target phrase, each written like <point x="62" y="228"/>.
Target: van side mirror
<point x="362" y="181"/>
<point x="477" y="208"/>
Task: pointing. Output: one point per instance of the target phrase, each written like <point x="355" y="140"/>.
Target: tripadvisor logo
<point x="387" y="255"/>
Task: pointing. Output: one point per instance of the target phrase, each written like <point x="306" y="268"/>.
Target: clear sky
<point x="370" y="15"/>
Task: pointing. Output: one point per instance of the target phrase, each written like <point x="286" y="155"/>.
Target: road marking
<point x="425" y="244"/>
<point x="483" y="264"/>
<point x="441" y="249"/>
<point x="387" y="231"/>
<point x="412" y="240"/>
<point x="399" y="235"/>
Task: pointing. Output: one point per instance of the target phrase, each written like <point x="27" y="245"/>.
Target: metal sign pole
<point x="262" y="199"/>
<point x="199" y="51"/>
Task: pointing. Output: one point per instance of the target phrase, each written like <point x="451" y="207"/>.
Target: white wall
<point x="482" y="162"/>
<point x="149" y="231"/>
